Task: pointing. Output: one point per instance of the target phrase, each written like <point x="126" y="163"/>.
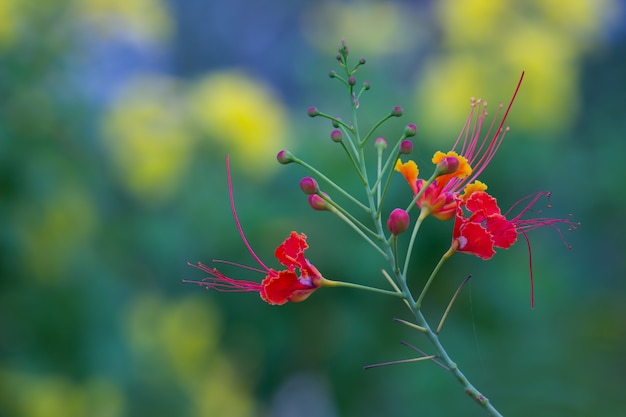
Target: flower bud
<point x="380" y="144"/>
<point x="367" y="85"/>
<point x="406" y="147"/>
<point x="332" y="74"/>
<point x="398" y="222"/>
<point x="397" y="111"/>
<point x="312" y="111"/>
<point x="335" y="123"/>
<point x="343" y="48"/>
<point x="309" y="186"/>
<point x="285" y="157"/>
<point x="447" y="165"/>
<point x="336" y="135"/>
<point x="317" y="202"/>
<point x="351" y="80"/>
<point x="410" y="130"/>
<point x="362" y="61"/>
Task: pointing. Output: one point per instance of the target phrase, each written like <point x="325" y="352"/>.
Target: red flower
<point x="486" y="228"/>
<point x="473" y="150"/>
<point x="293" y="284"/>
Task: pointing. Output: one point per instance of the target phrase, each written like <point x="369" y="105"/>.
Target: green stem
<point x="339" y="214"/>
<point x="350" y="217"/>
<point x="330" y="283"/>
<point x="386" y="188"/>
<point x="443" y="354"/>
<point x="373" y="129"/>
<point x="445" y="257"/>
<point x="331" y="183"/>
<point x="423" y="214"/>
<point x="352" y="159"/>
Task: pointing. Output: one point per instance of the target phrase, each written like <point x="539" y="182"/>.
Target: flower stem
<point x="443" y="354"/>
<point x="330" y="283"/>
<point x="445" y="257"/>
<point x="332" y="184"/>
<point x="423" y="214"/>
<point x="339" y="214"/>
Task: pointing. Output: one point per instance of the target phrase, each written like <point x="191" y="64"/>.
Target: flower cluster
<point x="452" y="192"/>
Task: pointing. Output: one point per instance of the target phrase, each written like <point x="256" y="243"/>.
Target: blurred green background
<point x="115" y="119"/>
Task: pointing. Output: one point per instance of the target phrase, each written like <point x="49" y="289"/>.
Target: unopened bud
<point x="332" y="74"/>
<point x="447" y="165"/>
<point x="343" y="48"/>
<point x="398" y="221"/>
<point x="285" y="157"/>
<point x="397" y="111"/>
<point x="367" y="85"/>
<point x="335" y="122"/>
<point x="308" y="185"/>
<point x="336" y="135"/>
<point x="317" y="202"/>
<point x="362" y="61"/>
<point x="380" y="144"/>
<point x="312" y="111"/>
<point x="351" y="80"/>
<point x="406" y="147"/>
<point x="410" y="130"/>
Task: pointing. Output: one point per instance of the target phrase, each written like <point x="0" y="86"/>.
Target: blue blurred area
<point x="115" y="119"/>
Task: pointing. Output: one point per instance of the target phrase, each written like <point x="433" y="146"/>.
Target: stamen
<point x="232" y="205"/>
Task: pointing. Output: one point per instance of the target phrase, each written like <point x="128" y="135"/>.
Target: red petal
<point x="283" y="286"/>
<point x="504" y="232"/>
<point x="481" y="201"/>
<point x="291" y="252"/>
<point x="475" y="240"/>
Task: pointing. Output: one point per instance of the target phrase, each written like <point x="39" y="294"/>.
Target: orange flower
<point x="476" y="151"/>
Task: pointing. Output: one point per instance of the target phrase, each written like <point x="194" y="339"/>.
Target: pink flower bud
<point x="406" y="147"/>
<point x="309" y="186"/>
<point x="332" y="74"/>
<point x="336" y="135"/>
<point x="397" y="111"/>
<point x="285" y="157"/>
<point x="410" y="130"/>
<point x="312" y="111"/>
<point x="317" y="203"/>
<point x="367" y="85"/>
<point x="447" y="165"/>
<point x="351" y="80"/>
<point x="398" y="222"/>
<point x="380" y="143"/>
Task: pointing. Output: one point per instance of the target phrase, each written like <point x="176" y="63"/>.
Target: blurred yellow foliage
<point x="29" y="395"/>
<point x="147" y="136"/>
<point x="179" y="339"/>
<point x="485" y="47"/>
<point x="243" y="115"/>
<point x="51" y="232"/>
<point x="8" y="21"/>
<point x="371" y="27"/>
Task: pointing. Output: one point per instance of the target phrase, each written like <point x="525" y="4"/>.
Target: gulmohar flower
<point x="294" y="284"/>
<point x="472" y="150"/>
<point x="480" y="226"/>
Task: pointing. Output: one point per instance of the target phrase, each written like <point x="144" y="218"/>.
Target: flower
<point x="486" y="228"/>
<point x="296" y="283"/>
<point x="472" y="150"/>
